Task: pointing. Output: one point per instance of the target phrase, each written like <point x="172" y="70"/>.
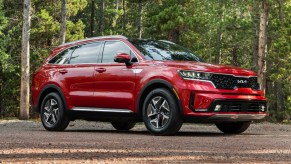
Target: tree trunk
<point x="124" y="15"/>
<point x="101" y="17"/>
<point x="174" y="35"/>
<point x="271" y="91"/>
<point x="1" y="91"/>
<point x="281" y="12"/>
<point x="262" y="48"/>
<point x="234" y="56"/>
<point x="115" y="18"/>
<point x="92" y="21"/>
<point x="117" y="4"/>
<point x="63" y="22"/>
<point x="255" y="50"/>
<point x="255" y="15"/>
<point x="218" y="53"/>
<point x="140" y="11"/>
<point x="25" y="87"/>
<point x="279" y="96"/>
<point x="218" y="47"/>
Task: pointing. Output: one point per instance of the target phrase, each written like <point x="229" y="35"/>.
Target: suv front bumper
<point x="223" y="107"/>
<point x="236" y="117"/>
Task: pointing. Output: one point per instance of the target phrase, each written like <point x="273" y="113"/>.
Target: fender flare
<point x="50" y="86"/>
<point x="157" y="81"/>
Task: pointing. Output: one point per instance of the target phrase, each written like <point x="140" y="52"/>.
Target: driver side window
<point x="112" y="48"/>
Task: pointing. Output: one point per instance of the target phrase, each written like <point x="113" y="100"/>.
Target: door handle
<point x="63" y="71"/>
<point x="100" y="70"/>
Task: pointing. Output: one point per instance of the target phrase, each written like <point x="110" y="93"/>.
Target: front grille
<point x="238" y="106"/>
<point x="232" y="82"/>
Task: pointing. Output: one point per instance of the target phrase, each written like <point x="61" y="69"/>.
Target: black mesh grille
<point x="238" y="106"/>
<point x="231" y="82"/>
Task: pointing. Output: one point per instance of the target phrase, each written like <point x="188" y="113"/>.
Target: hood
<point x="206" y="67"/>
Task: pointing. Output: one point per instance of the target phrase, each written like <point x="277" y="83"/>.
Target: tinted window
<point x="86" y="53"/>
<point x="62" y="58"/>
<point x="112" y="48"/>
<point x="164" y="50"/>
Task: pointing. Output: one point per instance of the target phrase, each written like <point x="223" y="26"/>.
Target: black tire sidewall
<point x="174" y="116"/>
<point x="61" y="117"/>
<point x="123" y="125"/>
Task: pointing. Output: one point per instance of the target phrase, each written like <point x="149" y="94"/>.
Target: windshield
<point x="164" y="50"/>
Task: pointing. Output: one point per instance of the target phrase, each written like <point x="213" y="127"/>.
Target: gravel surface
<point x="96" y="142"/>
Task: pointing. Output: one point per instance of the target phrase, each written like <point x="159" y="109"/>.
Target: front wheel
<point x="161" y="113"/>
<point x="52" y="113"/>
<point x="233" y="127"/>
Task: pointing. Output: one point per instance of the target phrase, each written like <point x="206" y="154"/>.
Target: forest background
<point x="253" y="34"/>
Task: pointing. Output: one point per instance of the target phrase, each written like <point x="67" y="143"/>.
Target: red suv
<point x="124" y="81"/>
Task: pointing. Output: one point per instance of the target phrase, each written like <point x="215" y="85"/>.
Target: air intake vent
<point x="238" y="106"/>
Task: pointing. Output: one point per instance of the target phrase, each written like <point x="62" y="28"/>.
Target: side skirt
<point x="102" y="114"/>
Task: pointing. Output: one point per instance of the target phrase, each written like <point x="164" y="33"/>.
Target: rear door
<point x="115" y="82"/>
<point x="78" y="74"/>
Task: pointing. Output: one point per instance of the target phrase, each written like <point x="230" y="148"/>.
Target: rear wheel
<point x="52" y="113"/>
<point x="233" y="127"/>
<point x="161" y="112"/>
<point x="122" y="125"/>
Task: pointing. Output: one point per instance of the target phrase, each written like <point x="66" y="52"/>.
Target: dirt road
<point x="91" y="142"/>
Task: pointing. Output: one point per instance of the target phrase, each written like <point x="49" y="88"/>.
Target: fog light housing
<point x="217" y="108"/>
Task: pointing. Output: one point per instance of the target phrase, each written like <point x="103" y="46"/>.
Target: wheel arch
<point x="48" y="89"/>
<point x="154" y="84"/>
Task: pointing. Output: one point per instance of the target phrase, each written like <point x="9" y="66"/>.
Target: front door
<point x="115" y="82"/>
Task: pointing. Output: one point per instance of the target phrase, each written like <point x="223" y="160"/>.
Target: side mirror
<point x="123" y="58"/>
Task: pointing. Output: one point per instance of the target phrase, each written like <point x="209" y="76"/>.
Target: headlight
<point x="195" y="75"/>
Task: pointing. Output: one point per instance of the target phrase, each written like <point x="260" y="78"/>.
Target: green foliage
<point x="44" y="31"/>
<point x="280" y="53"/>
<point x="8" y="67"/>
<point x="3" y="39"/>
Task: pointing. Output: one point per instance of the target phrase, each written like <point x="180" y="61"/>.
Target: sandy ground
<point x="96" y="142"/>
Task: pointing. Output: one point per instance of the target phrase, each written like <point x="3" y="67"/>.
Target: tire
<point x="233" y="127"/>
<point x="161" y="113"/>
<point x="52" y="113"/>
<point x="123" y="125"/>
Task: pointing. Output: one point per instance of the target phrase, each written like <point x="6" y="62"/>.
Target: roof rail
<point x="98" y="37"/>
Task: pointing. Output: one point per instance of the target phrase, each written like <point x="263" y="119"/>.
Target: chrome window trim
<point x="93" y="38"/>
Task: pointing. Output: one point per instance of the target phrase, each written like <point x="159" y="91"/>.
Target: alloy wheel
<point x="51" y="112"/>
<point x="158" y="112"/>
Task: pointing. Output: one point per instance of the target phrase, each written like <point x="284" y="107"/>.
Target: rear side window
<point x="86" y="53"/>
<point x="63" y="57"/>
<point x="112" y="48"/>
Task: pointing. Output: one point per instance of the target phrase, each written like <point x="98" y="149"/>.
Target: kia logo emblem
<point x="242" y="81"/>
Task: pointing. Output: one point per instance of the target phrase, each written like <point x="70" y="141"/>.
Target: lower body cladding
<point x="237" y="117"/>
<point x="211" y="117"/>
<point x="102" y="114"/>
